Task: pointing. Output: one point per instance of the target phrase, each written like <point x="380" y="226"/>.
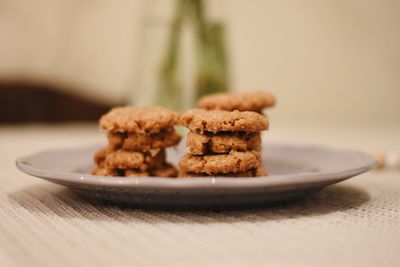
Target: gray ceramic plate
<point x="294" y="171"/>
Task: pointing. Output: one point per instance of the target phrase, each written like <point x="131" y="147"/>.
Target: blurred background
<point x="327" y="62"/>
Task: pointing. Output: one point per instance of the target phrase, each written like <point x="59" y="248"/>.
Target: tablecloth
<point x="353" y="223"/>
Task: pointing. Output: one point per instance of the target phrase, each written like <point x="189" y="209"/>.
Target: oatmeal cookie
<point x="103" y="171"/>
<point x="121" y="159"/>
<point x="166" y="170"/>
<point x="201" y="120"/>
<point x="233" y="162"/>
<point x="138" y="119"/>
<point x="245" y="101"/>
<point x="222" y="142"/>
<point x="100" y="155"/>
<point x="144" y="142"/>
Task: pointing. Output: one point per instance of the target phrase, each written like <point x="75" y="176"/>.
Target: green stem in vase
<point x="211" y="54"/>
<point x="169" y="89"/>
<point x="212" y="74"/>
<point x="212" y="66"/>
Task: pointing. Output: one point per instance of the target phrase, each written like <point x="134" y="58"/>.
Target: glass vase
<point x="183" y="53"/>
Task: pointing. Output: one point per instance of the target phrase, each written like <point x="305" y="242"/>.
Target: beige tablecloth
<point x="354" y="223"/>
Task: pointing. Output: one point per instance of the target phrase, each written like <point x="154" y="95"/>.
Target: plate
<point x="294" y="171"/>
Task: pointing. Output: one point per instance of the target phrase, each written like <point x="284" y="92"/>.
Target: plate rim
<point x="227" y="183"/>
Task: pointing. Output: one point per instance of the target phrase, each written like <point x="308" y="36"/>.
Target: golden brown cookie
<point x="144" y="142"/>
<point x="167" y="170"/>
<point x="233" y="162"/>
<point x="100" y="155"/>
<point x="122" y="159"/>
<point x="139" y="119"/>
<point x="116" y="139"/>
<point x="250" y="173"/>
<point x="136" y="173"/>
<point x="246" y="101"/>
<point x="222" y="142"/>
<point x="201" y="120"/>
<point x="103" y="171"/>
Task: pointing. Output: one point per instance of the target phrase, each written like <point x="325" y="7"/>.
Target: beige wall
<point x="86" y="44"/>
<point x="327" y="61"/>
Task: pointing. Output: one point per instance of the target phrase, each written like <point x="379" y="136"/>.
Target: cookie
<point x="233" y="162"/>
<point x="135" y="173"/>
<point x="122" y="159"/>
<point x="103" y="171"/>
<point x="144" y="142"/>
<point x="138" y="119"/>
<point x="201" y="120"/>
<point x="166" y="170"/>
<point x="246" y="101"/>
<point x="100" y="155"/>
<point x="222" y="142"/>
<point x="116" y="139"/>
<point x="250" y="173"/>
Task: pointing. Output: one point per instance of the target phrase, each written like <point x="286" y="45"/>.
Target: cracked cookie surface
<point x="121" y="159"/>
<point x="246" y="101"/>
<point x="166" y="170"/>
<point x="138" y="119"/>
<point x="101" y="154"/>
<point x="233" y="162"/>
<point x="201" y="120"/>
<point x="144" y="142"/>
<point x="103" y="171"/>
<point x="222" y="142"/>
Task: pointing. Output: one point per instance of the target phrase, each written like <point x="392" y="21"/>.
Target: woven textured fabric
<point x="354" y="223"/>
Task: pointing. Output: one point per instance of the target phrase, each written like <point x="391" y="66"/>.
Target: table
<point x="354" y="223"/>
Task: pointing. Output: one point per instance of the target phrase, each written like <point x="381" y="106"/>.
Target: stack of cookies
<point x="246" y="101"/>
<point x="137" y="139"/>
<point x="255" y="101"/>
<point x="222" y="143"/>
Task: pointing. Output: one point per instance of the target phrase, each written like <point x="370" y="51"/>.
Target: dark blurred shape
<point x="25" y="102"/>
